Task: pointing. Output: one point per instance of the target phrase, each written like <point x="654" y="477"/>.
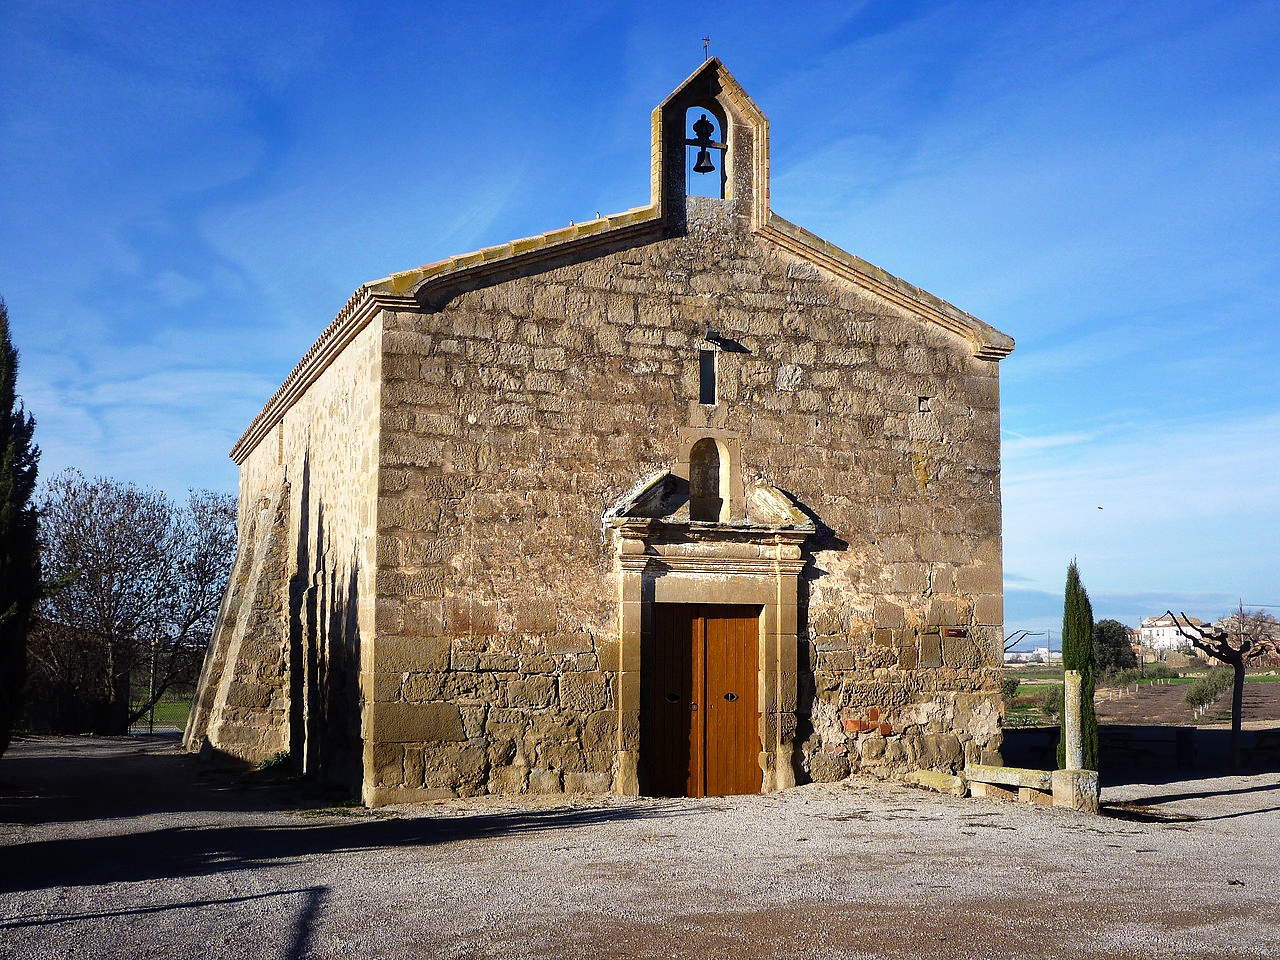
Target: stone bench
<point x="1077" y="789"/>
<point x="1010" y="783"/>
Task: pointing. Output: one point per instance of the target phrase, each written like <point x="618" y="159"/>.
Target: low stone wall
<point x="1073" y="789"/>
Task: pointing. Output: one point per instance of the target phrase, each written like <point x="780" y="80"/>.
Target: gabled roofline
<point x="351" y="319"/>
<point x="412" y="290"/>
<point x="408" y="289"/>
<point x="989" y="342"/>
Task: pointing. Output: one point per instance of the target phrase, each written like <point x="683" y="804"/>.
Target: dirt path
<point x="123" y="849"/>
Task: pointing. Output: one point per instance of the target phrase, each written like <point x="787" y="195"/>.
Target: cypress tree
<point x="1077" y="654"/>
<point x="19" y="556"/>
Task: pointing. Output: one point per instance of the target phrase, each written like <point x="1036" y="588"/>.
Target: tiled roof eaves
<point x="989" y="342"/>
<point x="551" y="241"/>
<point x="354" y="317"/>
<point x="401" y="291"/>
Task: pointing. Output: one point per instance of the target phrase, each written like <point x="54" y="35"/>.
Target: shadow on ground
<point x="182" y="852"/>
<point x="59" y="780"/>
<point x="1149" y="754"/>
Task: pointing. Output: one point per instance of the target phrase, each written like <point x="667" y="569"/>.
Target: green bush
<point x="1210" y="687"/>
<point x="1157" y="671"/>
<point x="1009" y="688"/>
<point x="277" y="761"/>
<point x="1077" y="654"/>
<point x="1051" y="701"/>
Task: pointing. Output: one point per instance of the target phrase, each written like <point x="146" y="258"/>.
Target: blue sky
<point x="190" y="192"/>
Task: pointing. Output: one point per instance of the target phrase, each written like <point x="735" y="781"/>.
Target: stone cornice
<point x="695" y="544"/>
<point x="652" y="546"/>
<point x="989" y="343"/>
<point x="354" y="317"/>
<point x="757" y="567"/>
<point x="529" y="250"/>
<point x="406" y="290"/>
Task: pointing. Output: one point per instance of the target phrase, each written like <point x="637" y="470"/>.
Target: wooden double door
<point x="700" y="719"/>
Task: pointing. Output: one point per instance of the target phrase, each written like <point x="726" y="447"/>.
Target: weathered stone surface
<point x="588" y="781"/>
<point x="1008" y="776"/>
<point x="1076" y="790"/>
<point x="508" y="779"/>
<point x="937" y="782"/>
<point x="402" y="654"/>
<point x="828" y="768"/>
<point x="930" y="650"/>
<point x="415" y="722"/>
<point x="584" y="692"/>
<point x="535" y="691"/>
<point x="545" y="781"/>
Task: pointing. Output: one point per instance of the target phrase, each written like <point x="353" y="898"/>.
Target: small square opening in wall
<point x="922" y="404"/>
<point x="707" y="376"/>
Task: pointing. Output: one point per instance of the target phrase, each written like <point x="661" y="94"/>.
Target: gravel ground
<point x="126" y="848"/>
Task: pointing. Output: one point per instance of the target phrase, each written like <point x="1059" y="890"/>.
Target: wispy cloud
<point x="1160" y="506"/>
<point x="1016" y="444"/>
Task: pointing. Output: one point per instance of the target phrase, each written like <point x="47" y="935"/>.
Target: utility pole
<point x="151" y="690"/>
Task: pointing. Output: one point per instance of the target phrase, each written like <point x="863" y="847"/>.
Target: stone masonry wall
<point x="318" y="585"/>
<point x="513" y="416"/>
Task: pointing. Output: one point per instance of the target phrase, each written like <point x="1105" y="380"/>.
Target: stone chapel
<point x="681" y="501"/>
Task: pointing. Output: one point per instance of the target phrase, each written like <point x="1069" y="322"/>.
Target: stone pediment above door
<point x="697" y="534"/>
<point x="671" y="499"/>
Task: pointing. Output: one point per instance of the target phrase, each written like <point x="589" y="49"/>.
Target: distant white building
<point x="1038" y="655"/>
<point x="1161" y="633"/>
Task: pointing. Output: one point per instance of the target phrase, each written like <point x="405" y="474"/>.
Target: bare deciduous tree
<point x="1237" y="640"/>
<point x="137" y="581"/>
<point x="1013" y="639"/>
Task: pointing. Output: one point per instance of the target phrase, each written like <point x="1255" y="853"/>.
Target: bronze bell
<point x="703" y="164"/>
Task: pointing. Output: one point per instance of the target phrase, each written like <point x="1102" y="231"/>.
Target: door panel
<point x="732" y="717"/>
<point x="672" y="743"/>
<point x="700" y="717"/>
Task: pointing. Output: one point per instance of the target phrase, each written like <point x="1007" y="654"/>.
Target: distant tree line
<point x="19" y="559"/>
<point x="133" y="585"/>
<point x="108" y="591"/>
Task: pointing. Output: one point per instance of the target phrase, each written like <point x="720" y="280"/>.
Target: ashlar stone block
<point x="586" y="692"/>
<point x="415" y="722"/>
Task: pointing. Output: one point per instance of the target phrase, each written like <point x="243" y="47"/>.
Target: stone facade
<point x="458" y="511"/>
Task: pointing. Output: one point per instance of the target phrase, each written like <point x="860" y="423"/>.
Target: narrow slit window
<point x="707" y="376"/>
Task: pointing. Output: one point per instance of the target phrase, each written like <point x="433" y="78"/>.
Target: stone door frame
<point x="665" y="562"/>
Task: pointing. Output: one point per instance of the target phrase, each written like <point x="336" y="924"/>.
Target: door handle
<point x="693" y="706"/>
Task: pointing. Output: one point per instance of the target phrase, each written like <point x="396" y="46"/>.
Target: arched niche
<point x="710" y="469"/>
<point x="710" y="462"/>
